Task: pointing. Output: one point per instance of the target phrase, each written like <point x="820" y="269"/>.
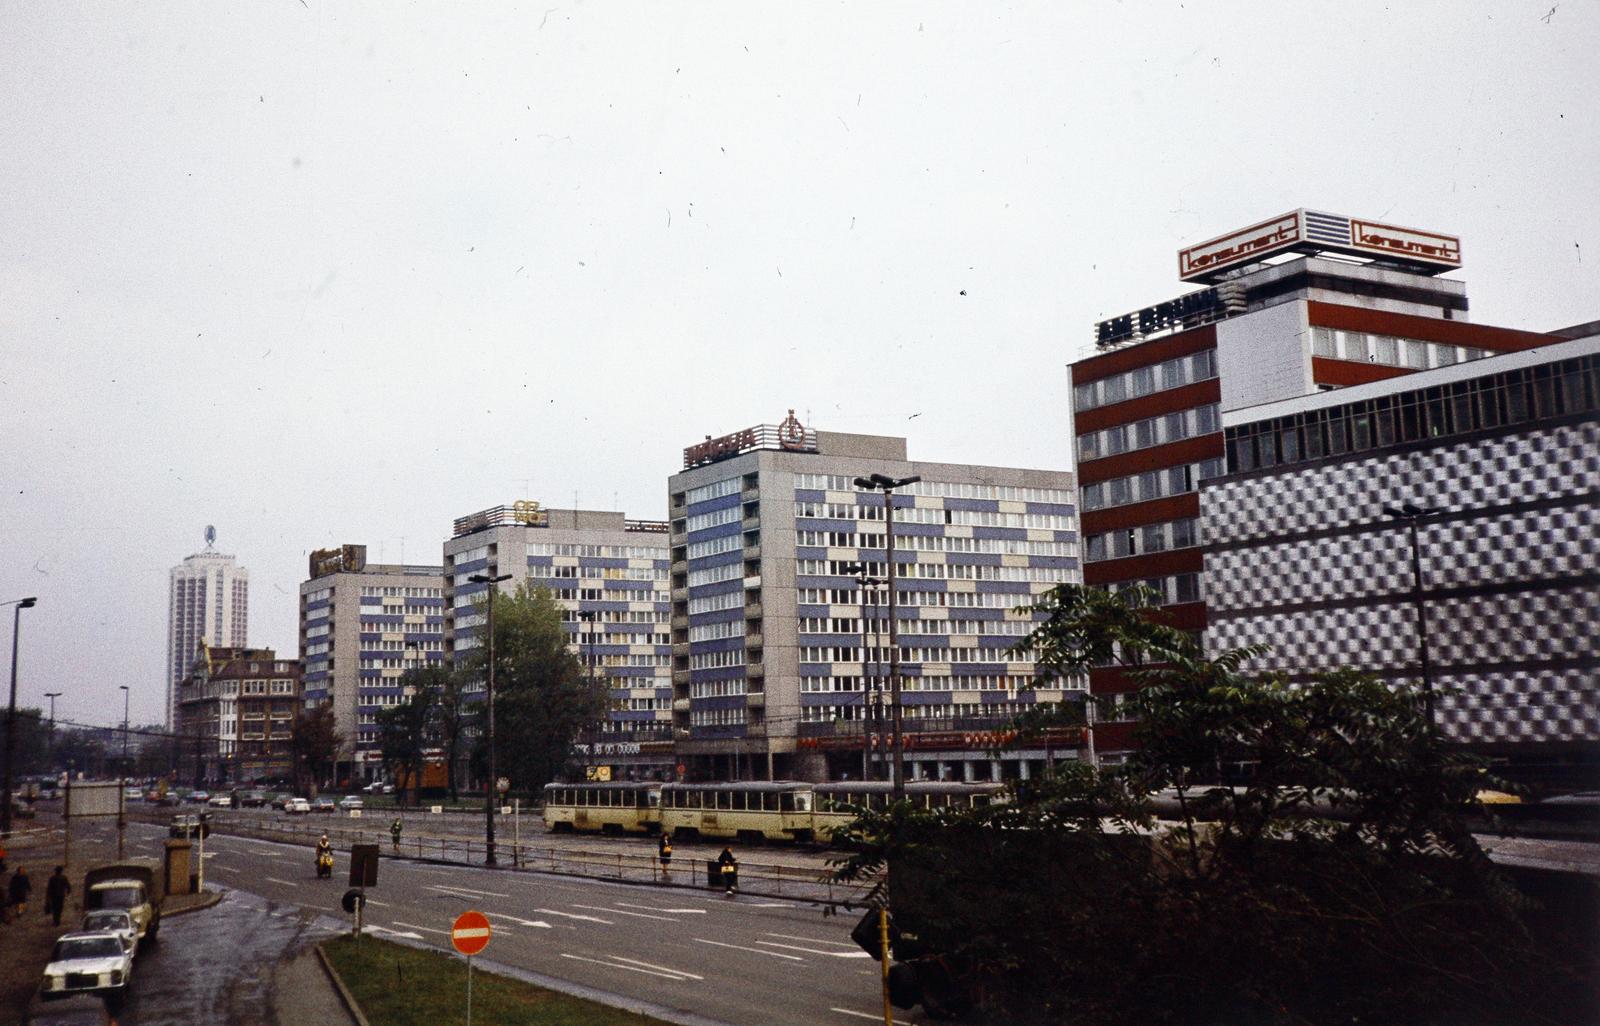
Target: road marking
<point x="619" y="912"/>
<point x="816" y="951"/>
<point x="519" y="922"/>
<point x="466" y="891"/>
<point x="286" y="883"/>
<point x="574" y="915"/>
<point x="768" y="904"/>
<point x="753" y="951"/>
<point x="632" y="969"/>
<point x="385" y="904"/>
<point x="392" y="933"/>
<point x="813" y="940"/>
<point x="864" y="1015"/>
<point x="663" y="968"/>
<point x="657" y="908"/>
<point x="424" y="929"/>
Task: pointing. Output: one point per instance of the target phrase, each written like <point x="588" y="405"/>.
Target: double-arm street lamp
<point x="1412" y="515"/>
<point x="489" y="786"/>
<point x="51" y="743"/>
<point x="869" y="704"/>
<point x="887" y="485"/>
<point x="11" y="714"/>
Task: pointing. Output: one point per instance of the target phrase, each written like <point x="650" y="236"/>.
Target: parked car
<point x="199" y="797"/>
<point x="221" y="801"/>
<point x="280" y="800"/>
<point x="322" y="805"/>
<point x="350" y="803"/>
<point x="133" y="794"/>
<point x="297" y="807"/>
<point x="113" y="920"/>
<point x="87" y="962"/>
<point x="253" y="799"/>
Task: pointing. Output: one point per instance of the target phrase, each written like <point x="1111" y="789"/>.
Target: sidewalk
<point x="303" y="993"/>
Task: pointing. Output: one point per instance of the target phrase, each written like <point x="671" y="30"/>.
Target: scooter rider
<point x="324" y="855"/>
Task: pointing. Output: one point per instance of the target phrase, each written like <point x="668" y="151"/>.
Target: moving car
<point x="279" y="801"/>
<point x="322" y="805"/>
<point x="87" y="962"/>
<point x="350" y="803"/>
<point x="199" y="797"/>
<point x="190" y="826"/>
<point x="297" y="807"/>
<point x="113" y="920"/>
<point x="253" y="799"/>
<point x="221" y="801"/>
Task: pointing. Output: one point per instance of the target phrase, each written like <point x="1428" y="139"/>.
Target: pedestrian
<point x="394" y="832"/>
<point x="17" y="892"/>
<point x="728" y="866"/>
<point x="56" y="890"/>
<point x="664" y="851"/>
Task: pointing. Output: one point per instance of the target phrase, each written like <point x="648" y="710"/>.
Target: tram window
<point x="694" y="799"/>
<point x="802" y="801"/>
<point x="769" y="802"/>
<point x="652" y="799"/>
<point x="786" y="802"/>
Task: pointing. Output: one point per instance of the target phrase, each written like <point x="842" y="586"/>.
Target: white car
<point x="350" y="803"/>
<point x="88" y="962"/>
<point x="113" y="920"/>
<point x="221" y="801"/>
<point x="297" y="806"/>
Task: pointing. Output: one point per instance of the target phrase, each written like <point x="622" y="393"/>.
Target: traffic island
<point x="396" y="985"/>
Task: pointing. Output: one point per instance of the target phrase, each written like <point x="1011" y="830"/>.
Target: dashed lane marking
<point x="465" y="891"/>
<point x="424" y="929"/>
<point x="813" y="940"/>
<point x="815" y="951"/>
<point x="519" y="922"/>
<point x="753" y="951"/>
<point x="620" y="912"/>
<point x="679" y="978"/>
<point x="574" y="915"/>
<point x="864" y="1015"/>
<point x="286" y="883"/>
<point x="663" y="968"/>
<point x="657" y="908"/>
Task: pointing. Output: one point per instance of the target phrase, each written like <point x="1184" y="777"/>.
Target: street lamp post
<point x="1412" y="515"/>
<point x="50" y="757"/>
<point x="122" y="782"/>
<point x="588" y="618"/>
<point x="881" y="482"/>
<point x="11" y="715"/>
<point x="868" y="714"/>
<point x="124" y="689"/>
<point x="489" y="784"/>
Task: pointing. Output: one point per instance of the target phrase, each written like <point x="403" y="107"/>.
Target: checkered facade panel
<point x="1513" y="607"/>
<point x="1528" y="465"/>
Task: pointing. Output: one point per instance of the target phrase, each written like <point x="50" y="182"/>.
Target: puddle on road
<point x="217" y="966"/>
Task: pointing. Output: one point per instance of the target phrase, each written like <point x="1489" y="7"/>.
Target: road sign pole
<point x="469" y="990"/>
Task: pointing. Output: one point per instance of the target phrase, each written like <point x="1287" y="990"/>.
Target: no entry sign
<point x="470" y="933"/>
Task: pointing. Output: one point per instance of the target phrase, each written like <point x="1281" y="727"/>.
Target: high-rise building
<point x="781" y="657"/>
<point x="1297" y="305"/>
<point x="609" y="573"/>
<point x="1491" y="470"/>
<point x="362" y="626"/>
<point x="208" y="601"/>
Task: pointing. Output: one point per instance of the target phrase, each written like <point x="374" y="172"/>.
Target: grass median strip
<point x="397" y="985"/>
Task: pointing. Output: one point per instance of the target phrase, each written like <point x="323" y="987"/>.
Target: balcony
<point x="680" y="705"/>
<point x="752" y="610"/>
<point x="680" y="676"/>
<point x="756" y="700"/>
<point x="755" y="671"/>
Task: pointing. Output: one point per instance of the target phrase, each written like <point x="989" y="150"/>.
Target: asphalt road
<point x="681" y="953"/>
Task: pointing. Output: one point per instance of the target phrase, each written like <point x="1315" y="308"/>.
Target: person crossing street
<point x="394" y="832"/>
<point x="664" y="852"/>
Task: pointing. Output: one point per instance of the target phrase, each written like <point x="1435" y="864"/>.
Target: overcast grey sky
<point x="324" y="272"/>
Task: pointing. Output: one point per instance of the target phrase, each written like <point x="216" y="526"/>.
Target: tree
<point x="32" y="741"/>
<point x="543" y="699"/>
<point x="315" y="742"/>
<point x="454" y="712"/>
<point x="1336" y="883"/>
<point x="406" y="732"/>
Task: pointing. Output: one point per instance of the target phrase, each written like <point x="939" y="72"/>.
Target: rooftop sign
<point x="347" y="559"/>
<point x="1310" y="231"/>
<point x="790" y="436"/>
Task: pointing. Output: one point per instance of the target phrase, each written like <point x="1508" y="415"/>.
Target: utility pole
<point x="11" y="716"/>
<point x="887" y="485"/>
<point x="489" y="785"/>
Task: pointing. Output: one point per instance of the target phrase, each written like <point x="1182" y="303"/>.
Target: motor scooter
<point x="324" y="865"/>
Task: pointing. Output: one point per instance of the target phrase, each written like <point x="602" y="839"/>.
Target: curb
<point x="210" y="900"/>
<point x="345" y="997"/>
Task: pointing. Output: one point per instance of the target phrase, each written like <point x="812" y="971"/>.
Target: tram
<point x="748" y="811"/>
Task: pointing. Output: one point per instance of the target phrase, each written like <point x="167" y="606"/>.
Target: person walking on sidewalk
<point x="394" y="832"/>
<point x="664" y="851"/>
<point x="56" y="890"/>
<point x="17" y="892"/>
<point x="729" y="868"/>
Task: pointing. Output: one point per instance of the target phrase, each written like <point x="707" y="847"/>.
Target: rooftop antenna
<point x="211" y="537"/>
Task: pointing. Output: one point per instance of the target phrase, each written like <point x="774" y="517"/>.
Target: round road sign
<point x="470" y="933"/>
